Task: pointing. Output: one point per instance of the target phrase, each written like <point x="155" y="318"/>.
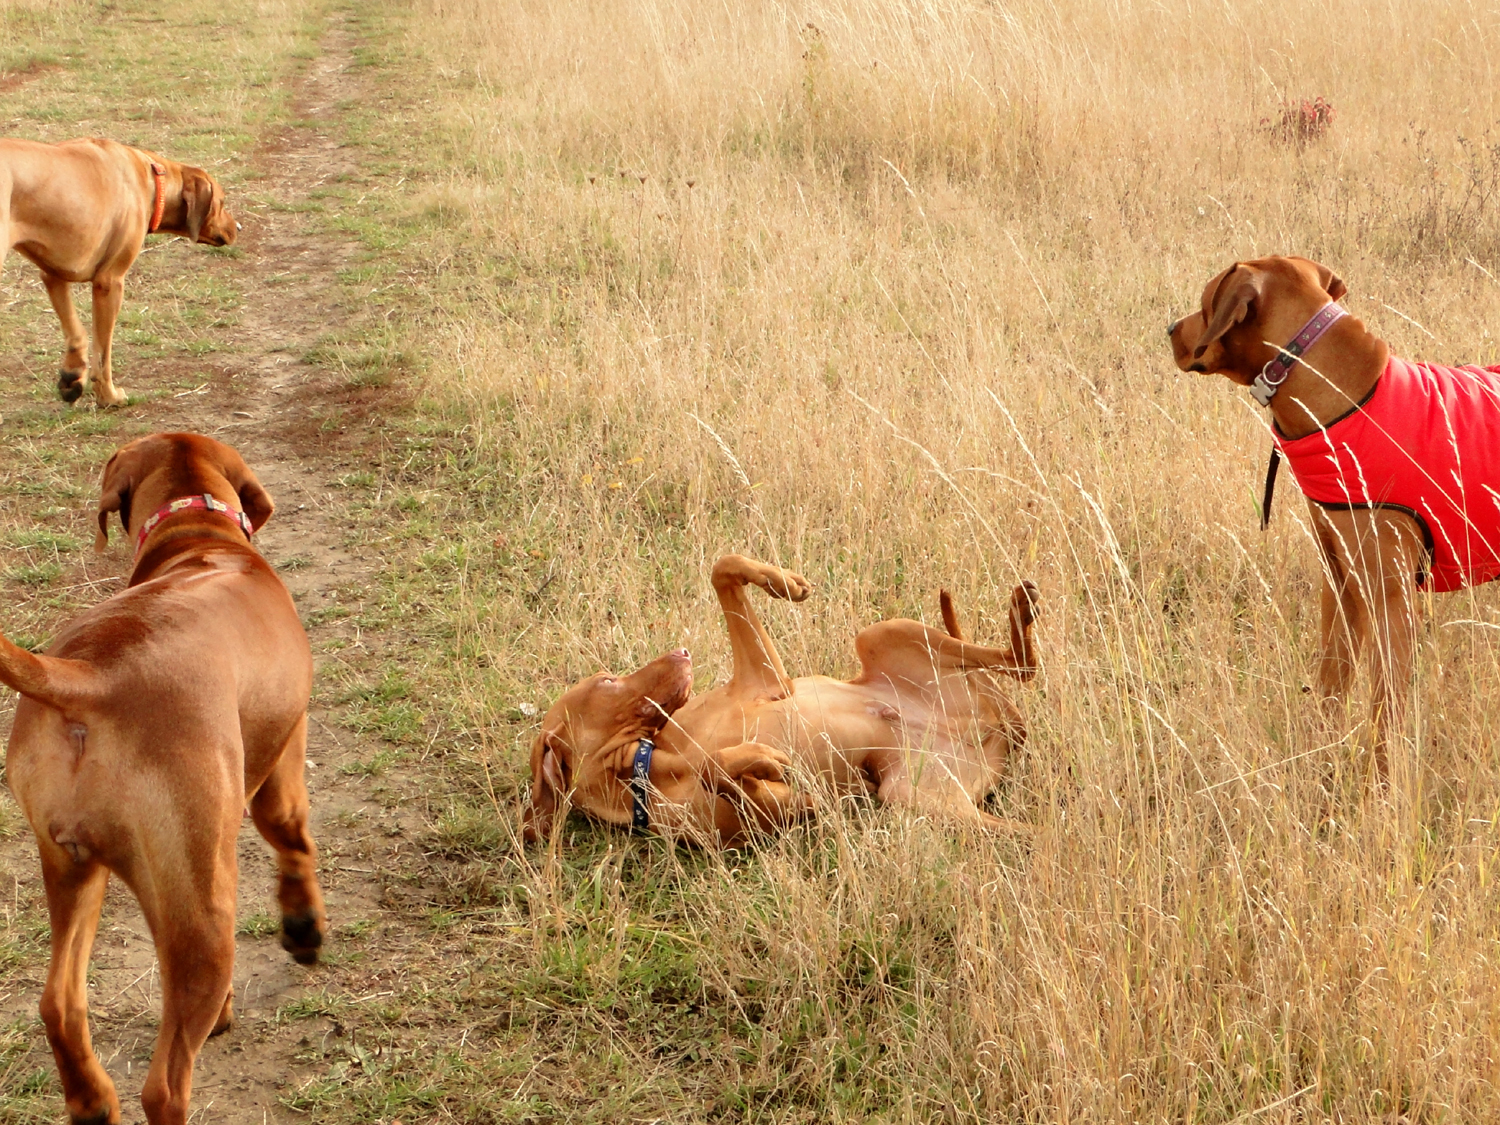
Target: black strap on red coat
<point x="1265" y="503"/>
<point x="1274" y="373"/>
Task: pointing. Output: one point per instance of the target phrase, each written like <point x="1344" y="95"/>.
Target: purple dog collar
<point x="1274" y="373"/>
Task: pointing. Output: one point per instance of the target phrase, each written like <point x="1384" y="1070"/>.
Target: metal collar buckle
<point x="1263" y="389"/>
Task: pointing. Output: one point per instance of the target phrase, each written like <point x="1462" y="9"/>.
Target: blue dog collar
<point x="640" y="784"/>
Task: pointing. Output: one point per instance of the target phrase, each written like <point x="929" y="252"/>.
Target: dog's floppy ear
<point x="114" y="494"/>
<point x="197" y="199"/>
<point x="1238" y="290"/>
<point x="549" y="785"/>
<point x="254" y="499"/>
<point x="1331" y="282"/>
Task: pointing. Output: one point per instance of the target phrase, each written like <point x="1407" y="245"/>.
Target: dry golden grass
<point x="878" y="290"/>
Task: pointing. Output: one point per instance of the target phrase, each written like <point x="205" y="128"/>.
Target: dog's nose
<point x="1171" y="328"/>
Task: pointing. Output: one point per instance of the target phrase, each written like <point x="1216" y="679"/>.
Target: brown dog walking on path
<point x="80" y="211"/>
<point x="141" y="736"/>
<point x="1400" y="461"/>
<point x="924" y="724"/>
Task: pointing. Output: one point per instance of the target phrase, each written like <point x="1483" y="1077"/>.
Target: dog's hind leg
<point x="195" y="950"/>
<point x="907" y="653"/>
<point x="280" y="811"/>
<point x="185" y="874"/>
<point x="75" y="894"/>
<point x="934" y="793"/>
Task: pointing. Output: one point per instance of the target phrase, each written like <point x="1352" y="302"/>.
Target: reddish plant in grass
<point x="1300" y="122"/>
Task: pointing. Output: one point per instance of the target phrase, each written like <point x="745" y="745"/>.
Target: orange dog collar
<point x="159" y="174"/>
<point x="204" y="503"/>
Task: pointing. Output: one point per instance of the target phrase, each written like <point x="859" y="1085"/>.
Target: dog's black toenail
<point x="100" y="1118"/>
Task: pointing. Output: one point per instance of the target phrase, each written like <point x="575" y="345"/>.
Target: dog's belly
<point x="834" y="728"/>
<point x="44" y="258"/>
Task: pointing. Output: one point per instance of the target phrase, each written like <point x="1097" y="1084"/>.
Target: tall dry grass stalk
<point x="878" y="289"/>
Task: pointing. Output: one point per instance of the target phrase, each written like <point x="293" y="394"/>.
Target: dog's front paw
<point x="789" y="585"/>
<point x="226" y="1017"/>
<point x="754" y="760"/>
<point x="302" y="936"/>
<point x="1025" y="603"/>
<point x="71" y="384"/>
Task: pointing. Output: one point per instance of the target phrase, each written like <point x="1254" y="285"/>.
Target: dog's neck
<point x="1334" y="377"/>
<point x="182" y="540"/>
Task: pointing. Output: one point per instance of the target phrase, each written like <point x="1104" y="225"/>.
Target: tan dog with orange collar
<point x="924" y="725"/>
<point x="80" y="211"/>
<point x="140" y="737"/>
<point x="1400" y="461"/>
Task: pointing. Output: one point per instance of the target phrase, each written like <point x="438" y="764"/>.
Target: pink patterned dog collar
<point x="1274" y="373"/>
<point x="204" y="503"/>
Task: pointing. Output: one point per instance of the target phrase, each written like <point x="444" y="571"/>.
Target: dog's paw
<point x="755" y="761"/>
<point x="71" y="384"/>
<point x="302" y="936"/>
<point x="1025" y="603"/>
<point x="226" y="1017"/>
<point x="112" y="397"/>
<point x="789" y="585"/>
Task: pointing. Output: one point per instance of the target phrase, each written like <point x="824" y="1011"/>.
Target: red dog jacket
<point x="1426" y="441"/>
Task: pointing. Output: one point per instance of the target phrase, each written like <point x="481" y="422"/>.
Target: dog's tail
<point x="950" y="615"/>
<point x="63" y="684"/>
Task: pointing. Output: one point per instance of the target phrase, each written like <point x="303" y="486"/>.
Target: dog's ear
<point x="549" y="785"/>
<point x="197" y="199"/>
<point x="254" y="499"/>
<point x="1238" y="291"/>
<point x="115" y="488"/>
<point x="1331" y="282"/>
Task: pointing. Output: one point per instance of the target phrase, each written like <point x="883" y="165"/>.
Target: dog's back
<point x="49" y="191"/>
<point x="141" y="691"/>
<point x="143" y="734"/>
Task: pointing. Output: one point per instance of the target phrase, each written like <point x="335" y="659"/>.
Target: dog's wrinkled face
<point x="1246" y="311"/>
<point x="151" y="471"/>
<point x="586" y="746"/>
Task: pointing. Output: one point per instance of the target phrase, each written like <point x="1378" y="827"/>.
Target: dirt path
<point x="300" y="426"/>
